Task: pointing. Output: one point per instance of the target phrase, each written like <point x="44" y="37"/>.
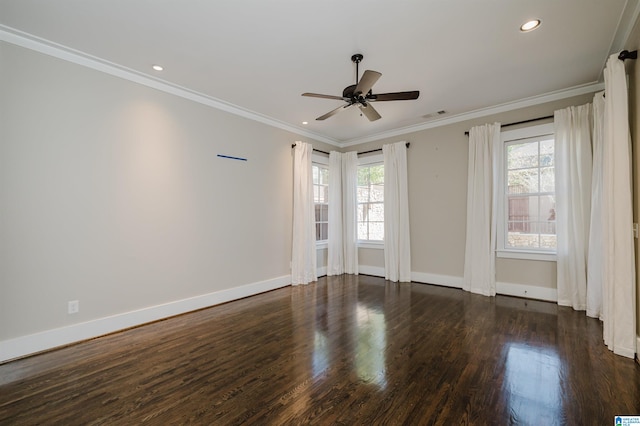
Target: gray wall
<point x="437" y="162"/>
<point x="111" y="194"/>
<point x="633" y="70"/>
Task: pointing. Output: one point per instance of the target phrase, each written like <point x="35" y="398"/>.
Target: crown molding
<point x="483" y="112"/>
<point x="29" y="41"/>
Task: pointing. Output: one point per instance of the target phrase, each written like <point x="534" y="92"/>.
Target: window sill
<point x="379" y="245"/>
<point x="526" y="255"/>
<point x="322" y="245"/>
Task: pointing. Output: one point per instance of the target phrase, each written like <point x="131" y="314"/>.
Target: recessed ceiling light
<point x="157" y="68"/>
<point x="305" y="122"/>
<point x="530" y="25"/>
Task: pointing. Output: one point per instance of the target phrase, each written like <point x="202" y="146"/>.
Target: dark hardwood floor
<point x="347" y="350"/>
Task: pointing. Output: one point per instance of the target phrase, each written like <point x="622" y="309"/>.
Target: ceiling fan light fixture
<point x="530" y="25"/>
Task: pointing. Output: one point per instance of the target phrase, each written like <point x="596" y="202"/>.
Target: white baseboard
<point x="437" y="279"/>
<point x="376" y="271"/>
<point x="507" y="289"/>
<point x="528" y="291"/>
<point x="49" y="339"/>
<point x="321" y="271"/>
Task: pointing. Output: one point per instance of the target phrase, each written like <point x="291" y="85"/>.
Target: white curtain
<point x="618" y="292"/>
<point x="397" y="247"/>
<point x="573" y="165"/>
<point x="335" y="252"/>
<point x="596" y="254"/>
<point x="479" y="261"/>
<point x="349" y="211"/>
<point x="303" y="256"/>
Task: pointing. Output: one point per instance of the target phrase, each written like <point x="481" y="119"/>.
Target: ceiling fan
<point x="360" y="94"/>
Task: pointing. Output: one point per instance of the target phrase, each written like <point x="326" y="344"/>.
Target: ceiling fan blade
<point x="367" y="81"/>
<point x="369" y="112"/>
<point x="333" y="112"/>
<point x="317" y="95"/>
<point x="398" y="96"/>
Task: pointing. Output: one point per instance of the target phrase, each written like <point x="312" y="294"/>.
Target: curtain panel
<point x="479" y="262"/>
<point x="397" y="245"/>
<point x="618" y="292"/>
<point x="303" y="250"/>
<point x="595" y="250"/>
<point x="350" y="211"/>
<point x="335" y="250"/>
<point x="573" y="166"/>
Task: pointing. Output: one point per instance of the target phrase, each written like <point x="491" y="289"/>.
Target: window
<point x="321" y="200"/>
<point x="528" y="201"/>
<point x="371" y="202"/>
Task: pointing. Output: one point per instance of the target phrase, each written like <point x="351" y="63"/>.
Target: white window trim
<point x="324" y="161"/>
<point x="501" y="251"/>
<point x="368" y="160"/>
<point x="376" y="245"/>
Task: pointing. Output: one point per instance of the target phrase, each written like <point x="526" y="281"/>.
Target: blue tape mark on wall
<point x="232" y="158"/>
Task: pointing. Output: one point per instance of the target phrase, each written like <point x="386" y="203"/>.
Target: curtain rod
<point x="360" y="153"/>
<point x="521" y="122"/>
<point x="625" y="54"/>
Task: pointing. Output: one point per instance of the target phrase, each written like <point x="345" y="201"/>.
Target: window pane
<point x="363" y="212"/>
<point x="548" y="241"/>
<point x="323" y="194"/>
<point x="362" y="231"/>
<point x="363" y="176"/>
<point x="524" y="181"/>
<point x="547" y="153"/>
<point x="377" y="193"/>
<point x="324" y="212"/>
<point x="377" y="174"/>
<point x="324" y="175"/>
<point x="318" y="208"/>
<point x="363" y="194"/>
<point x="531" y="220"/>
<point x="523" y="240"/>
<point x="316" y="172"/>
<point x="376" y="231"/>
<point x="324" y="231"/>
<point x="518" y="213"/>
<point x="376" y="212"/>
<point x="548" y="207"/>
<point x="522" y="155"/>
<point x="547" y="179"/>
<point x="370" y="202"/>
<point x="525" y="209"/>
<point x="318" y="232"/>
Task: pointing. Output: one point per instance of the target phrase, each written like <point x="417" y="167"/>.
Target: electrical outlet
<point x="73" y="306"/>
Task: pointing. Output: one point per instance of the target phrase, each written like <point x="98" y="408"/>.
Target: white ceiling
<point x="260" y="55"/>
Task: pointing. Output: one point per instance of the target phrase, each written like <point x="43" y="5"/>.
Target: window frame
<point x="507" y="137"/>
<point x="370" y="160"/>
<point x="321" y="161"/>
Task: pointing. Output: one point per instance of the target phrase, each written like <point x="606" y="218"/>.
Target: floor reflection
<point x="371" y="343"/>
<point x="320" y="358"/>
<point x="532" y="384"/>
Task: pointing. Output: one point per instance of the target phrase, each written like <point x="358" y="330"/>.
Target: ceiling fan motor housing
<point x="348" y="91"/>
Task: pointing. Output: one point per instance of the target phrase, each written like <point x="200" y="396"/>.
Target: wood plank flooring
<point x="348" y="350"/>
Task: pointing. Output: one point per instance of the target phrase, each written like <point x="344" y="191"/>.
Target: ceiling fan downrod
<point x="357" y="58"/>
